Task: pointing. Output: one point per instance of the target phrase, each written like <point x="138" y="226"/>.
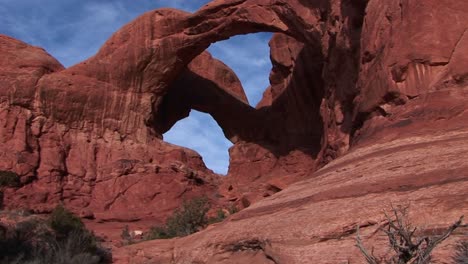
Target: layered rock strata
<point x="367" y="106"/>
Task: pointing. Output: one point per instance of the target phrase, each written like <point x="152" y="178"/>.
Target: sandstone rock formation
<point x="76" y="140"/>
<point x="314" y="221"/>
<point x="367" y="106"/>
<point x="407" y="129"/>
<point x="103" y="118"/>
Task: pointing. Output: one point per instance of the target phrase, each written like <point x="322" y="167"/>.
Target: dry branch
<point x="407" y="247"/>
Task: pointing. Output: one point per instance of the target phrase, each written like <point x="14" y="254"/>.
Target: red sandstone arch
<point x="89" y="133"/>
<point x="147" y="59"/>
<point x="135" y="88"/>
<point x="151" y="74"/>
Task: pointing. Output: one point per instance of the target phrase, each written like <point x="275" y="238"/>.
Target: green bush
<point x="190" y="218"/>
<point x="9" y="179"/>
<point x="186" y="220"/>
<point x="62" y="239"/>
<point x="77" y="248"/>
<point x="233" y="209"/>
<point x="220" y="216"/>
<point x="16" y="243"/>
<point x="64" y="222"/>
<point x="461" y="253"/>
<point x="158" y="232"/>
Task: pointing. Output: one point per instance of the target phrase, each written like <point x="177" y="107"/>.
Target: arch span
<point x="170" y="74"/>
<point x="173" y="38"/>
<point x="155" y="69"/>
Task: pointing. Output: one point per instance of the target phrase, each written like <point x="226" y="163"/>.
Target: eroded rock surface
<point x="77" y="140"/>
<point x="367" y="106"/>
<point x="407" y="139"/>
<point x="103" y="118"/>
<point x="315" y="220"/>
<point x="85" y="142"/>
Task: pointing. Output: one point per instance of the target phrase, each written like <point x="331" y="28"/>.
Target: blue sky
<point x="73" y="30"/>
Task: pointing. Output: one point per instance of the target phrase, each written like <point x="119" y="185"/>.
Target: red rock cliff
<point x="367" y="106"/>
<point x="392" y="82"/>
<point x="103" y="118"/>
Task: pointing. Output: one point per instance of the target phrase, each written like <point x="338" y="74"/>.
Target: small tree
<point x="61" y="239"/>
<point x="186" y="220"/>
<point x="220" y="216"/>
<point x="64" y="222"/>
<point x="407" y="247"/>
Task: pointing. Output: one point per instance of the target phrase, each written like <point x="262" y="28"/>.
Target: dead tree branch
<point x="403" y="240"/>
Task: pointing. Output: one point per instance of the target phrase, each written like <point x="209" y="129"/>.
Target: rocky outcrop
<point x="102" y="119"/>
<point x="409" y="81"/>
<point x="367" y="106"/>
<point x="315" y="220"/>
<point x="402" y="112"/>
<point x="76" y="140"/>
<point x="85" y="142"/>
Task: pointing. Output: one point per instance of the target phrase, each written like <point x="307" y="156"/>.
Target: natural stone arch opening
<point x="146" y="73"/>
<point x="171" y="74"/>
<point x="281" y="124"/>
<point x="174" y="40"/>
<point x="288" y="117"/>
<point x="249" y="57"/>
<point x="201" y="133"/>
<point x="247" y="63"/>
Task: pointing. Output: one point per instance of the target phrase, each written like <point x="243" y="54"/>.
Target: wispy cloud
<point x="74" y="30"/>
<point x="249" y="57"/>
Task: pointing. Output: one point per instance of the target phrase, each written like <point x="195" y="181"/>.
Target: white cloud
<point x="74" y="30"/>
<point x="249" y="57"/>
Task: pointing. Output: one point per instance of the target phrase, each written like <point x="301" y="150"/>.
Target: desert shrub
<point x="64" y="222"/>
<point x="9" y="179"/>
<point x="37" y="241"/>
<point x="74" y="249"/>
<point x="126" y="236"/>
<point x="72" y="236"/>
<point x="220" y="216"/>
<point x="158" y="232"/>
<point x="11" y="247"/>
<point x="22" y="240"/>
<point x="77" y="247"/>
<point x="186" y="220"/>
<point x="233" y="209"/>
<point x="461" y="253"/>
<point x="407" y="246"/>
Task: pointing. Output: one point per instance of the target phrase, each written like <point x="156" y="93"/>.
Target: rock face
<point x="367" y="106"/>
<point x="314" y="221"/>
<point x="103" y="118"/>
<point x="405" y="122"/>
<point x="77" y="140"/>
